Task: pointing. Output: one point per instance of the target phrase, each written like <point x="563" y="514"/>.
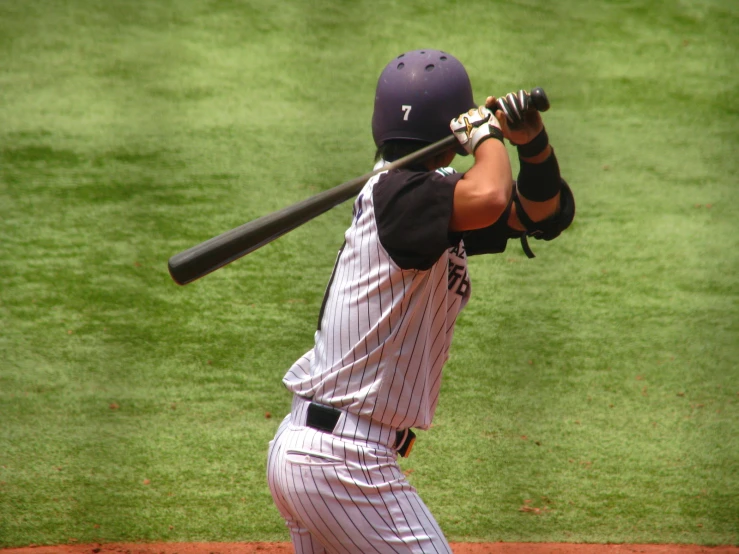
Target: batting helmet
<point x="418" y="94"/>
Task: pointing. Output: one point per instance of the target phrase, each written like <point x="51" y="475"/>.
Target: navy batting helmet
<point x="418" y="94"/>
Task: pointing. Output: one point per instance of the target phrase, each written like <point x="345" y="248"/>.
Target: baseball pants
<point x="345" y="494"/>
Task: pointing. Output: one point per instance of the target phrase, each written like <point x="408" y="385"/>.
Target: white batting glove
<point x="475" y="126"/>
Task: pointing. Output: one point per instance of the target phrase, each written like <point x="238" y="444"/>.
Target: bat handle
<point x="538" y="101"/>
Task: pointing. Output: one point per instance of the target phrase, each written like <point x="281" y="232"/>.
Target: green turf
<point x="597" y="383"/>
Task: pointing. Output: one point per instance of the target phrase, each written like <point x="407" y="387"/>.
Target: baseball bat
<point x="204" y="258"/>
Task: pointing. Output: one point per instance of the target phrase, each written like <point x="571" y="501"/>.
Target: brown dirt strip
<point x="286" y="548"/>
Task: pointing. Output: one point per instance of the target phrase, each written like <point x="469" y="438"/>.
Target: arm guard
<point x="493" y="239"/>
<point x="551" y="227"/>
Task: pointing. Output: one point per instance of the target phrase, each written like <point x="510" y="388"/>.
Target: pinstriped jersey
<point x="385" y="331"/>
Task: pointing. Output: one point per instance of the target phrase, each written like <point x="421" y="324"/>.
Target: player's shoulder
<point x="403" y="180"/>
<point x="416" y="174"/>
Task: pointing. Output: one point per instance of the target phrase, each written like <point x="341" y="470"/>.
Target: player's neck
<point x="440" y="160"/>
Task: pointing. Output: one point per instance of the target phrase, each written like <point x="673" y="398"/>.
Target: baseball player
<point x="387" y="318"/>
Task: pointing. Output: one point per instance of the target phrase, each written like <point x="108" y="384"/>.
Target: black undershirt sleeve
<point x="413" y="210"/>
<point x="491" y="239"/>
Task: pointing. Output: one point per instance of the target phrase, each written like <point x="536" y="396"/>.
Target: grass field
<point x="598" y="382"/>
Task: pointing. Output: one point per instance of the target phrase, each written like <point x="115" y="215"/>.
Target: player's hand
<point x="518" y="118"/>
<point x="473" y="127"/>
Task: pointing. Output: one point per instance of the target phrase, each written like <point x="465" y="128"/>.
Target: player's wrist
<point x="486" y="132"/>
<point x="474" y="127"/>
<point x="535" y="146"/>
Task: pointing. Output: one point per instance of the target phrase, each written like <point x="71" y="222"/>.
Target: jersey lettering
<point x="457" y="271"/>
<point x="407" y="109"/>
<point x="328" y="287"/>
<point x="457" y="275"/>
<point x="357" y="209"/>
<point x="458" y="251"/>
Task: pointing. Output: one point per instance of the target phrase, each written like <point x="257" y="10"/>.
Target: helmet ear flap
<point x="417" y="95"/>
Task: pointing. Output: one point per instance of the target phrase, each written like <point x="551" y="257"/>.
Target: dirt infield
<point x="284" y="548"/>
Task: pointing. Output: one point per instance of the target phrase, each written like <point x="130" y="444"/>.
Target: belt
<point x="324" y="418"/>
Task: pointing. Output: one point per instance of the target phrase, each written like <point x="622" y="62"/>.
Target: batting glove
<point x="472" y="128"/>
<point x="514" y="106"/>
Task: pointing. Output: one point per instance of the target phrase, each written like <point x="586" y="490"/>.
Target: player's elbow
<point x="479" y="206"/>
<point x="494" y="202"/>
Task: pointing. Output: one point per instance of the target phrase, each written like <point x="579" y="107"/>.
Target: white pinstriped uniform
<point x="383" y="339"/>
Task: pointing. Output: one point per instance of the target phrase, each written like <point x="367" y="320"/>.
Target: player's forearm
<point x="539" y="181"/>
<point x="538" y="158"/>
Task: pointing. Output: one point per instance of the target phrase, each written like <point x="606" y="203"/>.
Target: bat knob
<point x="539" y="99"/>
